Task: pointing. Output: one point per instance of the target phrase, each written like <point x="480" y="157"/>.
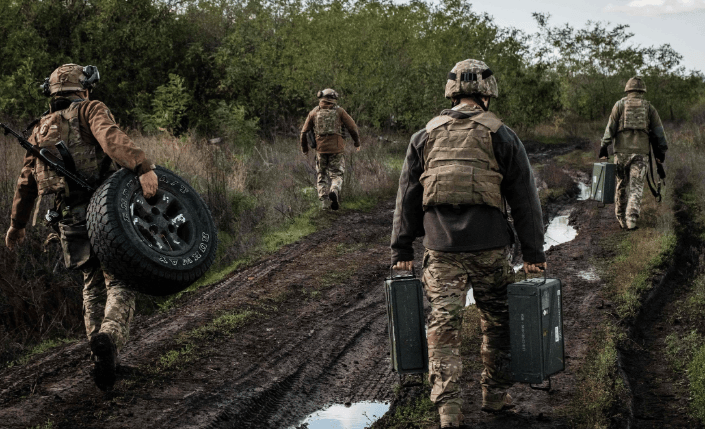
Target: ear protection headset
<point x="92" y="76"/>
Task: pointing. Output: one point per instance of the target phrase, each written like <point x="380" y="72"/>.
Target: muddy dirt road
<point x="315" y="334"/>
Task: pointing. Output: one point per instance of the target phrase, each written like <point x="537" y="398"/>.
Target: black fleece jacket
<point x="473" y="227"/>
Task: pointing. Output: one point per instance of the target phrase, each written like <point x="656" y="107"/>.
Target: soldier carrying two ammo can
<point x="92" y="144"/>
<point x="634" y="126"/>
<point x="458" y="173"/>
<point x="327" y="121"/>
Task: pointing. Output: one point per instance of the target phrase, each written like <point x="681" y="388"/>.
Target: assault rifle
<point x="65" y="167"/>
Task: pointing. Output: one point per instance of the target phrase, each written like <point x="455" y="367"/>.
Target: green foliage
<point x="169" y="106"/>
<point x="235" y="68"/>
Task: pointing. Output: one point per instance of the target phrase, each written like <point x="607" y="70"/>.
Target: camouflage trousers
<point x="108" y="306"/>
<point x="329" y="165"/>
<point x="447" y="277"/>
<point x="631" y="174"/>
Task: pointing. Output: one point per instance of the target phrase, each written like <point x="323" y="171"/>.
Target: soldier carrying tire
<point x="95" y="144"/>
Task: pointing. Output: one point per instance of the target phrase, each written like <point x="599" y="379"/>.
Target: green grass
<point x="47" y="425"/>
<point x="639" y="255"/>
<point x="696" y="376"/>
<point x="194" y="343"/>
<point x="362" y="203"/>
<point x="40" y="348"/>
<point x="599" y="385"/>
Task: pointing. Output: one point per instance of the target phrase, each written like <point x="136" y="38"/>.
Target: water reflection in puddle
<point x="585" y="191"/>
<point x="589" y="274"/>
<point x="356" y="416"/>
<point x="558" y="232"/>
<point x="469" y="298"/>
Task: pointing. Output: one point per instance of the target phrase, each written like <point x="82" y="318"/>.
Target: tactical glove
<point x="14" y="237"/>
<point x="603" y="152"/>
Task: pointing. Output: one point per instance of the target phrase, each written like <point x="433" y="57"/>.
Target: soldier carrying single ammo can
<point x="634" y="126"/>
<point x="92" y="144"/>
<point x="458" y="173"/>
<point x="327" y="121"/>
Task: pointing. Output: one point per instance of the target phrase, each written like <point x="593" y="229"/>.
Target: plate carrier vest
<point x="459" y="163"/>
<point x="327" y="122"/>
<point x="635" y="117"/>
<point x="64" y="125"/>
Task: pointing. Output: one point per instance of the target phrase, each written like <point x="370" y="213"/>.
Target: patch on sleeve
<point x="437" y="122"/>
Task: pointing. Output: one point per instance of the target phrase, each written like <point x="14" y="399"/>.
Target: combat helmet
<point x="69" y="78"/>
<point x="328" y="93"/>
<point x="471" y="77"/>
<point x="635" y="84"/>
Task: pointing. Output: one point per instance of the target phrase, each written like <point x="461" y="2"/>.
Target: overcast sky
<point x="680" y="23"/>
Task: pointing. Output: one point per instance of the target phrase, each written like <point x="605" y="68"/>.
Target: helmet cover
<point x="327" y="93"/>
<point x="471" y="77"/>
<point x="635" y="84"/>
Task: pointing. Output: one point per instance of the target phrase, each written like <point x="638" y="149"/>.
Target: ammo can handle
<point x="391" y="271"/>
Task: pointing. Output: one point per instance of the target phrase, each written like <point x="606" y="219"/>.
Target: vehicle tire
<point x="157" y="246"/>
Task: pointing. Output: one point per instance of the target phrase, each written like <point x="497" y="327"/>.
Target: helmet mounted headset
<point x="87" y="80"/>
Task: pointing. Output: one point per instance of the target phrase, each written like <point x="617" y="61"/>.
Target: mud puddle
<point x="585" y="191"/>
<point x="559" y="231"/>
<point x="351" y="416"/>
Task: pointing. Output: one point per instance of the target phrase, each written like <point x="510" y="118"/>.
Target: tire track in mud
<point x="291" y="362"/>
<point x="660" y="395"/>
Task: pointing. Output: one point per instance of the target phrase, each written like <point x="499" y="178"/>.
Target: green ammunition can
<point x="407" y="327"/>
<point x="603" y="182"/>
<point x="535" y="329"/>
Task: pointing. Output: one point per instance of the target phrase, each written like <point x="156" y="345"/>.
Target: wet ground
<point x="316" y="351"/>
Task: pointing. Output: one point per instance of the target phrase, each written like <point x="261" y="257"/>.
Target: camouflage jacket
<point x="469" y="228"/>
<point x="331" y="143"/>
<point x="97" y="127"/>
<point x="635" y="141"/>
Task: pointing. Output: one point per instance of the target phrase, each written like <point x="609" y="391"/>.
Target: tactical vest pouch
<point x="327" y="122"/>
<point x="75" y="244"/>
<point x="635" y="116"/>
<point x="50" y="131"/>
<point x="407" y="331"/>
<point x="65" y="125"/>
<point x="535" y="329"/>
<point x="461" y="185"/>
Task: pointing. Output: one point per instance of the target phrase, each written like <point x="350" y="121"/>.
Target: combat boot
<point x="334" y="202"/>
<point x="105" y="360"/>
<point x="325" y="203"/>
<point x="495" y="402"/>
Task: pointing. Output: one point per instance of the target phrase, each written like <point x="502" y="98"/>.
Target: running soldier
<point x="327" y="121"/>
<point x="634" y="123"/>
<point x="94" y="143"/>
<point x="458" y="173"/>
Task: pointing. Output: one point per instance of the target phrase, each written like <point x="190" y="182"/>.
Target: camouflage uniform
<point x="94" y="140"/>
<point x="329" y="165"/>
<point x="447" y="278"/>
<point x="108" y="305"/>
<point x="330" y="142"/>
<point x="457" y="173"/>
<point x="631" y="174"/>
<point x="634" y="127"/>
